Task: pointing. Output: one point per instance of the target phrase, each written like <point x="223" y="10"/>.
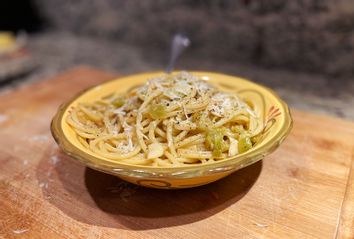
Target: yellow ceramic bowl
<point x="272" y="109"/>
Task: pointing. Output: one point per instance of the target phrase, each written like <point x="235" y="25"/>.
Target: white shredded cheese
<point x="202" y="86"/>
<point x="182" y="87"/>
<point x="223" y="104"/>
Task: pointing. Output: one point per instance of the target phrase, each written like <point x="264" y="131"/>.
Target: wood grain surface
<point x="303" y="190"/>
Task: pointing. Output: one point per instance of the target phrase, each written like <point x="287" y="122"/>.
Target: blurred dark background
<point x="304" y="49"/>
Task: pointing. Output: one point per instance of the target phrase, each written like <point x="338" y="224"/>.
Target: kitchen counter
<point x="55" y="51"/>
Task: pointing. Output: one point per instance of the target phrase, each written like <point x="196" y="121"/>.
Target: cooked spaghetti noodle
<point x="172" y="120"/>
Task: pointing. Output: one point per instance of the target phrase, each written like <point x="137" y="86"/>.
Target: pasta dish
<point x="172" y="120"/>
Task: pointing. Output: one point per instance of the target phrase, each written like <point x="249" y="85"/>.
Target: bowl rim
<point x="230" y="164"/>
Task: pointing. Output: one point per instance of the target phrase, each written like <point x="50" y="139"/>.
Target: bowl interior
<point x="268" y="105"/>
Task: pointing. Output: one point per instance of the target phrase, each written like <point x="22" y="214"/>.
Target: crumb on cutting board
<point x="54" y="159"/>
<point x="43" y="185"/>
<point x="20" y="231"/>
<point x="3" y="118"/>
<point x="39" y="138"/>
<point x="260" y="225"/>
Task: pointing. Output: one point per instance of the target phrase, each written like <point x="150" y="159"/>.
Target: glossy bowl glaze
<point x="272" y="109"/>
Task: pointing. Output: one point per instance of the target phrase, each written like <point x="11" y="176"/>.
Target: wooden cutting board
<point x="303" y="190"/>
